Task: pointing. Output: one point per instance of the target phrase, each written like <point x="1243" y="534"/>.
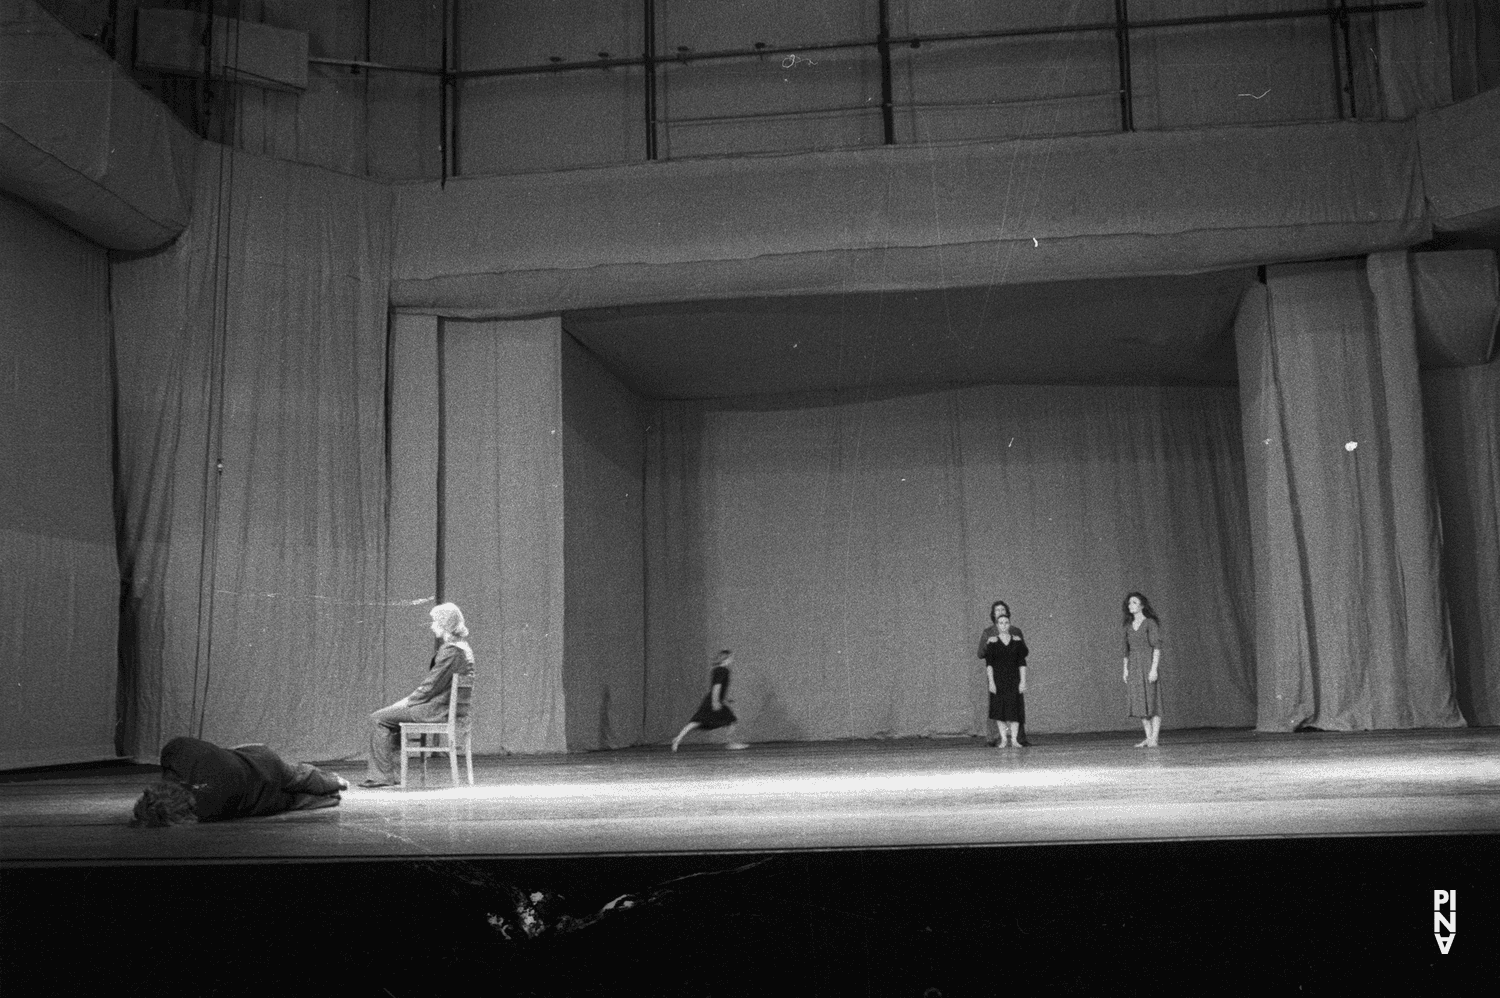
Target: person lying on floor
<point x="203" y="782"/>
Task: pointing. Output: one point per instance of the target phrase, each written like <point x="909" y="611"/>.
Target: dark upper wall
<point x="905" y="216"/>
<point x="820" y="84"/>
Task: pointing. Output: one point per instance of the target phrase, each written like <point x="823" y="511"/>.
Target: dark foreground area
<point x="1307" y="916"/>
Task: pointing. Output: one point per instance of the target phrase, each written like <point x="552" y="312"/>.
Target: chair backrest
<point x="459" y="697"/>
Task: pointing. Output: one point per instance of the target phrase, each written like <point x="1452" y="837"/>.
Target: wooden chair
<point x="448" y="736"/>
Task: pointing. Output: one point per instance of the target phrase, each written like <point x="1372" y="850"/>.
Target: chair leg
<point x="469" y="757"/>
<point x="404" y="757"/>
<point x="453" y="759"/>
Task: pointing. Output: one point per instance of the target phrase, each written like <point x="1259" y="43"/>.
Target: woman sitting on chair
<point x="428" y="702"/>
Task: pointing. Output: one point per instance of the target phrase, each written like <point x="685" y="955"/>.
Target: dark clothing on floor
<point x="245" y="782"/>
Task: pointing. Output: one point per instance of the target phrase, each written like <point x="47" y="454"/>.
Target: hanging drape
<point x="59" y="586"/>
<point x="848" y="553"/>
<point x="1462" y="409"/>
<point x="1351" y="626"/>
<point x="604" y="460"/>
<point x="500" y="522"/>
<point x="252" y="462"/>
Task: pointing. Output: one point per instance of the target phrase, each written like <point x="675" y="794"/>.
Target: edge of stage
<point x="899" y="794"/>
<point x="1225" y="860"/>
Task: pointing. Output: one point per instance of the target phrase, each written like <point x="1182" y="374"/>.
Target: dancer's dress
<point x="1006" y="661"/>
<point x="708" y="718"/>
<point x="1145" y="697"/>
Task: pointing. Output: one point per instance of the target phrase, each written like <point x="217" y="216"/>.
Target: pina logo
<point x="1444" y="918"/>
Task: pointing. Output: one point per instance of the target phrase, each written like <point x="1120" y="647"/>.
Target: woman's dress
<point x="1145" y="697"/>
<point x="1006" y="661"/>
<point x="708" y="718"/>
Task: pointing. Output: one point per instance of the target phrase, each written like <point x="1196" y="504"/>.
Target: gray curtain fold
<point x="1457" y="296"/>
<point x="252" y="462"/>
<point x="604" y="460"/>
<point x="59" y="583"/>
<point x="848" y="553"/>
<point x="500" y="504"/>
<point x="1351" y="626"/>
<point x="1462" y="409"/>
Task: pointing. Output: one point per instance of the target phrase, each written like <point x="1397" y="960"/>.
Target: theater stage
<point x="1226" y="860"/>
<point x="1066" y="789"/>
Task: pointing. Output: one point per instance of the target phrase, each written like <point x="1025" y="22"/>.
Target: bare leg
<point x="731" y="743"/>
<point x="1002" y="731"/>
<point x="683" y="733"/>
<point x="1145" y="742"/>
<point x="1015" y="733"/>
<point x="1154" y="732"/>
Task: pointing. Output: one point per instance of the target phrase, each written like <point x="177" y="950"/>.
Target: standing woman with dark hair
<point x="714" y="711"/>
<point x="1004" y="652"/>
<point x="1143" y="650"/>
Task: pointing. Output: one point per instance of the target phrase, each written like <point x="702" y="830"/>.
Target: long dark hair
<point x="997" y="605"/>
<point x="1146" y="610"/>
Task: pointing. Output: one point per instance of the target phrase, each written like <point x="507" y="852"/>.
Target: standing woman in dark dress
<point x="1143" y="651"/>
<point x="1004" y="652"/>
<point x="714" y="711"/>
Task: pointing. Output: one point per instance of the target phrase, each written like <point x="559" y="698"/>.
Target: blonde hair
<point x="451" y="619"/>
<point x="164" y="804"/>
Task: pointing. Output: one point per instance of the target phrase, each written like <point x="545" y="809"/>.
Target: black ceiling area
<point x="1159" y="330"/>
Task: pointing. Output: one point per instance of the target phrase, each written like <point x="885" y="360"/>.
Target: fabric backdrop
<point x="500" y="516"/>
<point x="848" y="553"/>
<point x="1462" y="408"/>
<point x="604" y="460"/>
<point x="256" y="592"/>
<point x="1351" y="623"/>
<point x="59" y="585"/>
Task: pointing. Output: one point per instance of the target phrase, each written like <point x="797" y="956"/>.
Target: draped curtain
<point x="1352" y="628"/>
<point x="1462" y="410"/>
<point x="500" y="522"/>
<point x="848" y="553"/>
<point x="59" y="585"/>
<point x="252" y="467"/>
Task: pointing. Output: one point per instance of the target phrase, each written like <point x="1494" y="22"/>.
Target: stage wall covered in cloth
<point x="1351" y="624"/>
<point x="500" y="522"/>
<point x="1462" y="410"/>
<point x="604" y="459"/>
<point x="256" y="588"/>
<point x="59" y="586"/>
<point x="848" y="551"/>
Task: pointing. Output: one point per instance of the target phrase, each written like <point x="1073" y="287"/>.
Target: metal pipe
<point x="853" y="108"/>
<point x="443" y="83"/>
<point x="1343" y="19"/>
<point x="1122" y="45"/>
<point x="887" y="98"/>
<point x="648" y="60"/>
<point x="367" y="64"/>
<point x="455" y="103"/>
<point x="916" y="41"/>
<point x="1333" y="54"/>
<point x="819" y="112"/>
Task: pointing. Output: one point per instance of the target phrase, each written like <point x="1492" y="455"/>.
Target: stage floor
<point x="1200" y="785"/>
